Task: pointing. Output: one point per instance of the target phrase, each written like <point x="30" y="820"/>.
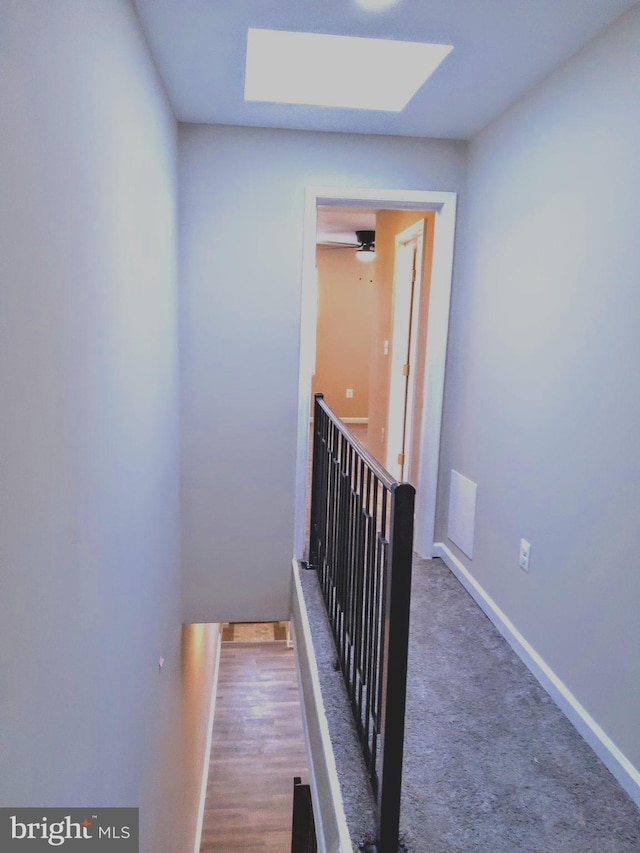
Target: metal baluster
<point x="361" y="536"/>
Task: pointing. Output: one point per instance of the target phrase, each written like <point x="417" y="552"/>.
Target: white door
<point x="407" y="285"/>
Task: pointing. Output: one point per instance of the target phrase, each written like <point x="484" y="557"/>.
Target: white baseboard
<point x="624" y="771"/>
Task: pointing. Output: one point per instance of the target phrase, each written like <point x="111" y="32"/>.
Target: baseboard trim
<point x="618" y="764"/>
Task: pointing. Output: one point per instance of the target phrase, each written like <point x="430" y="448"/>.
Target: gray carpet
<point x="491" y="764"/>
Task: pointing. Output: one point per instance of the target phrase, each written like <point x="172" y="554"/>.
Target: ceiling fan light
<point x="366" y="254"/>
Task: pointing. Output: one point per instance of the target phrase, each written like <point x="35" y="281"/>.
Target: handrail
<point x="361" y="543"/>
<point x="381" y="473"/>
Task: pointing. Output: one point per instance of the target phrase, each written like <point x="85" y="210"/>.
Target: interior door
<point x="407" y="286"/>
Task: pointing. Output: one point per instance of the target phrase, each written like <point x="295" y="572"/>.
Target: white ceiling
<point x="501" y="49"/>
<point x="339" y="224"/>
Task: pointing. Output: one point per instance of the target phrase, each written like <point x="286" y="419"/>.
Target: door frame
<point x="444" y="206"/>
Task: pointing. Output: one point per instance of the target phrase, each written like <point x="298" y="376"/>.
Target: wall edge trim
<point x="317" y="812"/>
<point x="611" y="756"/>
<point x="327" y="747"/>
<point x="207" y="749"/>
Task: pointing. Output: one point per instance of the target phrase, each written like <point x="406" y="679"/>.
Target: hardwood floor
<point x="258" y="747"/>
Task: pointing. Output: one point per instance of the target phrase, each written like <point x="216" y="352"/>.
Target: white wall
<point x="241" y="218"/>
<point x="542" y="401"/>
<point x="88" y="417"/>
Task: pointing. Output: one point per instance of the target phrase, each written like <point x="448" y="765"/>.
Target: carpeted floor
<point x="491" y="764"/>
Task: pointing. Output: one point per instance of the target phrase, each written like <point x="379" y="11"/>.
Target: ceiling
<point x="339" y="224"/>
<point x="501" y="49"/>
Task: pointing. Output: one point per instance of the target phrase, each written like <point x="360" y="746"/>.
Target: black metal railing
<point x="361" y="542"/>
<point x="303" y="830"/>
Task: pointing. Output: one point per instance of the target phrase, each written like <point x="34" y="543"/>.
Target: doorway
<point x="443" y="205"/>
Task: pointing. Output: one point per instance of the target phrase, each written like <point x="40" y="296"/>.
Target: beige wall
<point x="345" y="310"/>
<point x="389" y="223"/>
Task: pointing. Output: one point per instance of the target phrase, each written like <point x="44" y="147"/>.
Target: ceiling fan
<point x="365" y="245"/>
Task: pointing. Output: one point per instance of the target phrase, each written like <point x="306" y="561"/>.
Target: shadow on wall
<point x="200" y="652"/>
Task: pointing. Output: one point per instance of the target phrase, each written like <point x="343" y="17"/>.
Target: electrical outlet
<point x="525" y="553"/>
<point x="385" y="348"/>
<point x="349" y="393"/>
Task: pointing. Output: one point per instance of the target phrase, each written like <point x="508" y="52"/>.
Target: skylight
<point x="337" y="71"/>
<point x="376" y="5"/>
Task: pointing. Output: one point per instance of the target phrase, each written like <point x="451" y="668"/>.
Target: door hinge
<point x="405" y="369"/>
<point x="400" y="458"/>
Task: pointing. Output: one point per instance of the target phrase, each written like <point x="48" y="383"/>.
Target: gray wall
<point x="241" y="221"/>
<point x="542" y="399"/>
<point x="88" y="417"/>
<point x="542" y="405"/>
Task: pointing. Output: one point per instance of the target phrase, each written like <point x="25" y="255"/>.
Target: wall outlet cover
<point x="525" y="553"/>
